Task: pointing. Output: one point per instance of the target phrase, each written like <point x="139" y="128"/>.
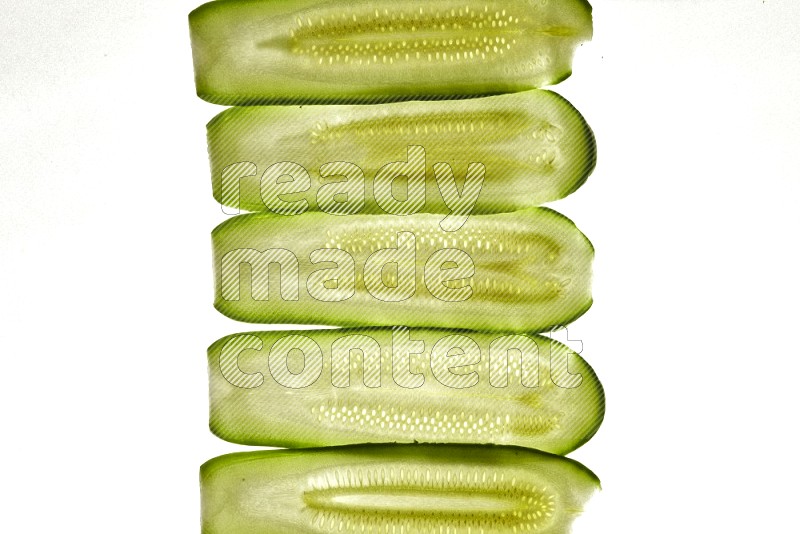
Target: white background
<point x="106" y="283"/>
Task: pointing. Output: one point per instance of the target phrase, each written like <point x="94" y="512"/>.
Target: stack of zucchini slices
<point x="392" y="157"/>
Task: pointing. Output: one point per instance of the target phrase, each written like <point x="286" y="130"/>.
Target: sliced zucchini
<point x="514" y="151"/>
<point x="372" y="385"/>
<point x="393" y="488"/>
<point x="283" y="51"/>
<point x="526" y="271"/>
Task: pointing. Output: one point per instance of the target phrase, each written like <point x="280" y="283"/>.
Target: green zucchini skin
<point x="534" y="147"/>
<point x="525" y="271"/>
<point x="317" y="51"/>
<point x="393" y="488"/>
<point x="551" y="400"/>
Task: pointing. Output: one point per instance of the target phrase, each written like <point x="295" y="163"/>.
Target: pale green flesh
<point x="546" y="398"/>
<point x="393" y="488"/>
<point x="535" y="147"/>
<point x="282" y="51"/>
<point x="532" y="270"/>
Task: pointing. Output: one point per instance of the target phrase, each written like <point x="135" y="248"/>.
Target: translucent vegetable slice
<point x="393" y="488"/>
<point x="514" y="151"/>
<point x="375" y="385"/>
<point x="526" y="271"/>
<point x="279" y="51"/>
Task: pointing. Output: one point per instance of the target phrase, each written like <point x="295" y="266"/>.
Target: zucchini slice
<point x="525" y="271"/>
<point x="518" y="150"/>
<point x="393" y="488"/>
<point x="307" y="388"/>
<point x="284" y="51"/>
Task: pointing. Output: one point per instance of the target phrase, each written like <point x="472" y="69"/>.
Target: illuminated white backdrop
<point x="106" y="281"/>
